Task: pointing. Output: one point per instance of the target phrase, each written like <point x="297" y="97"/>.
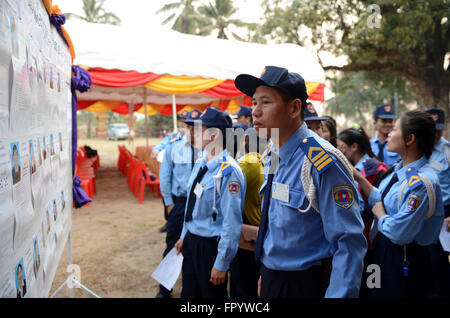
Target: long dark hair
<point x="421" y="125"/>
<point x="357" y="135"/>
<point x="331" y="125"/>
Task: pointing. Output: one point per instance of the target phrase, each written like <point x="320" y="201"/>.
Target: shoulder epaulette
<point x="226" y="168"/>
<point x="318" y="156"/>
<point x="413" y="178"/>
<point x="176" y="138"/>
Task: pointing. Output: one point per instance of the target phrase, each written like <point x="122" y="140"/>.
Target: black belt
<point x="176" y="198"/>
<point x="207" y="238"/>
<point x="325" y="264"/>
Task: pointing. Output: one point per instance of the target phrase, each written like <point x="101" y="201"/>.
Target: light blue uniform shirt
<point x="166" y="141"/>
<point x="229" y="203"/>
<point x="389" y="157"/>
<point x="296" y="241"/>
<point x="175" y="170"/>
<point x="439" y="163"/>
<point x="360" y="166"/>
<point x="407" y="224"/>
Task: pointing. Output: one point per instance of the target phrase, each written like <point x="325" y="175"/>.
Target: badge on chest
<point x="198" y="190"/>
<point x="280" y="191"/>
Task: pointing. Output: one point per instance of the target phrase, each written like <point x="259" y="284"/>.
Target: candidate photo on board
<point x="52" y="145"/>
<point x="32" y="159"/>
<point x="39" y="152"/>
<point x="47" y="214"/>
<point x="44" y="148"/>
<point x="21" y="282"/>
<point x="55" y="212"/>
<point x="63" y="200"/>
<point x="60" y="141"/>
<point x="15" y="162"/>
<point x="36" y="256"/>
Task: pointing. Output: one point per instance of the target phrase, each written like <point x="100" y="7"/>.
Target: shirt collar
<point x="290" y="146"/>
<point x="401" y="171"/>
<point x="214" y="162"/>
<point x="360" y="164"/>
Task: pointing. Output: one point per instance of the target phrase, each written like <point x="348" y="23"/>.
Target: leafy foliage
<point x="95" y="13"/>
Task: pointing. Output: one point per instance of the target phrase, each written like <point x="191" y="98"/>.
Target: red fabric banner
<point x="224" y="90"/>
<point x="118" y="78"/>
<point x="124" y="108"/>
<point x="82" y="104"/>
<point x="318" y="94"/>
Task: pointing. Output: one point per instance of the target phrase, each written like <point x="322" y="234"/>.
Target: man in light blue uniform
<point x="296" y="249"/>
<point x="174" y="174"/>
<point x="384" y="116"/>
<point x="213" y="215"/>
<point x="244" y="115"/>
<point x="440" y="162"/>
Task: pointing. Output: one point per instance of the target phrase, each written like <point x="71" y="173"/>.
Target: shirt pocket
<point x="288" y="214"/>
<point x="205" y="203"/>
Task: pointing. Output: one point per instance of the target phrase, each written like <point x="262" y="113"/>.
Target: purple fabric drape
<point x="57" y="20"/>
<point x="81" y="81"/>
<point x="80" y="197"/>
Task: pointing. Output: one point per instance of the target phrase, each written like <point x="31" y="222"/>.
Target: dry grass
<point x="116" y="241"/>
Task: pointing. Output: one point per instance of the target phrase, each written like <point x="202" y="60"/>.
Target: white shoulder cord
<point x="447" y="153"/>
<point x="307" y="181"/>
<point x="430" y="192"/>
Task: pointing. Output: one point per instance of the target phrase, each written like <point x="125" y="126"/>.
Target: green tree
<point x="95" y="13"/>
<point x="409" y="39"/>
<point x="218" y="17"/>
<point x="358" y="93"/>
<point x="186" y="18"/>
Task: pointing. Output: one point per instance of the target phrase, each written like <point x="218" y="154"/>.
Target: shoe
<point x="163" y="228"/>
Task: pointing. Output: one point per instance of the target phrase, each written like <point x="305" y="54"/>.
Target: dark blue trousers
<point x="394" y="284"/>
<point x="310" y="283"/>
<point x="174" y="228"/>
<point x="199" y="255"/>
<point x="441" y="267"/>
<point x="244" y="275"/>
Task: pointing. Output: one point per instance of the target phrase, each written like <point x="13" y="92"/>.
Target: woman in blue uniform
<point x="213" y="215"/>
<point x="408" y="209"/>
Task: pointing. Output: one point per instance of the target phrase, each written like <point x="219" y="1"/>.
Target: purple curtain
<point x="81" y="81"/>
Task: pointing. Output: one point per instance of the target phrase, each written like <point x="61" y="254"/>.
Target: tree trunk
<point x="435" y="94"/>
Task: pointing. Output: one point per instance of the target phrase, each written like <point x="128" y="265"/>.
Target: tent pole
<point x="174" y="113"/>
<point x="146" y="120"/>
<point x="130" y="121"/>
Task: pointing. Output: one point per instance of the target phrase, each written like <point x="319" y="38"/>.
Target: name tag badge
<point x="198" y="190"/>
<point x="280" y="191"/>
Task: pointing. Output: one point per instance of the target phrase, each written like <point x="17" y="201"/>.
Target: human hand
<point x="179" y="245"/>
<point x="217" y="277"/>
<point x="448" y="223"/>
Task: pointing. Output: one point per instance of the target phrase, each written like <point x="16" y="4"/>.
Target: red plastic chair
<point x="144" y="179"/>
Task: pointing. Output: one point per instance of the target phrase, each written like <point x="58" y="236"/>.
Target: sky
<point x="135" y="13"/>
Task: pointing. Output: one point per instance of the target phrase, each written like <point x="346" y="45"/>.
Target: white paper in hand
<point x="444" y="237"/>
<point x="169" y="269"/>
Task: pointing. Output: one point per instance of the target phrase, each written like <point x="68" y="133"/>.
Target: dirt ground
<point x="116" y="241"/>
